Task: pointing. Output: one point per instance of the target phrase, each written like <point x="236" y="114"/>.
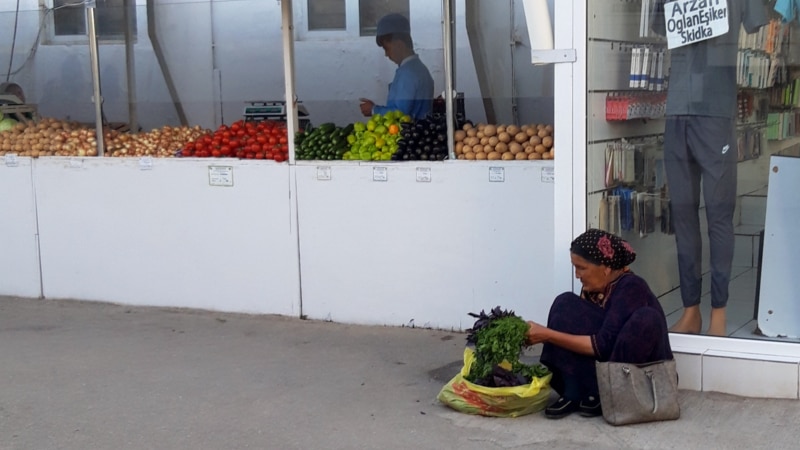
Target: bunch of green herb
<point x="500" y="336"/>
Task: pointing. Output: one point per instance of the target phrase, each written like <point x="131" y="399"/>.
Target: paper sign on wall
<point x="146" y="163"/>
<point x="220" y="175"/>
<point x="423" y="174"/>
<point x="497" y="174"/>
<point x="380" y="174"/>
<point x="323" y="173"/>
<point x="548" y="175"/>
<point x="690" y="21"/>
<point x="11" y="160"/>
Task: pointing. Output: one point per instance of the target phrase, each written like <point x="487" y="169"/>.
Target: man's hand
<point x="536" y="333"/>
<point x="366" y="106"/>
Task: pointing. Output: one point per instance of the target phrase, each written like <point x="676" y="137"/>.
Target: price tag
<point x="146" y="163"/>
<point x="380" y="174"/>
<point x="75" y="163"/>
<point x="220" y="175"/>
<point x="423" y="174"/>
<point x="323" y="173"/>
<point x="497" y="174"/>
<point x="548" y="175"/>
<point x="11" y="160"/>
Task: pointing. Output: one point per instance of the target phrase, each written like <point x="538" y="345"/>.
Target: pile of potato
<point x="505" y="142"/>
<point x="52" y="137"/>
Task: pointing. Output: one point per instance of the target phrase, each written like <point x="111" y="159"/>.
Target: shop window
<point x="327" y="15"/>
<point x="66" y="20"/>
<point x="370" y="11"/>
<point x="337" y="18"/>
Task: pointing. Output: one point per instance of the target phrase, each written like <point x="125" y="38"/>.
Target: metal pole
<point x="96" y="97"/>
<point x="130" y="66"/>
<point x="449" y="81"/>
<point x="152" y="32"/>
<point x="287" y="30"/>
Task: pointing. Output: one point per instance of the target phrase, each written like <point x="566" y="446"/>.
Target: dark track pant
<point x="701" y="149"/>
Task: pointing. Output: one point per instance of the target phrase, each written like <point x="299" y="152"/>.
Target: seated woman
<point x="615" y="318"/>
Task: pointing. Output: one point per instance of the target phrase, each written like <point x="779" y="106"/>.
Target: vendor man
<point x="411" y="90"/>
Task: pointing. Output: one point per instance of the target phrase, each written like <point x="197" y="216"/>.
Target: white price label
<point x="423" y="174"/>
<point x="380" y="174"/>
<point x="220" y="175"/>
<point x="11" y="160"/>
<point x="694" y="21"/>
<point x="75" y="163"/>
<point x="323" y="173"/>
<point x="548" y="175"/>
<point x="146" y="163"/>
<point x="497" y="174"/>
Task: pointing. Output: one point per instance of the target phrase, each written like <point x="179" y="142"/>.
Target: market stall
<point x="243" y="184"/>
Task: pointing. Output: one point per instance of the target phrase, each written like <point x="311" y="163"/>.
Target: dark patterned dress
<point x="626" y="324"/>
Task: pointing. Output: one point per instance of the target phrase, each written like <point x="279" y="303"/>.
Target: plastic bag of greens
<point x="464" y="396"/>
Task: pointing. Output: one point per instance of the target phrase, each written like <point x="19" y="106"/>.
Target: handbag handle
<point x="649" y="374"/>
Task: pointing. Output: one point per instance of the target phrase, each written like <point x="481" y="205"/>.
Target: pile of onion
<point x="53" y="137"/>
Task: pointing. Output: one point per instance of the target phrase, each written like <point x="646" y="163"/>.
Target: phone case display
<point x="625" y="174"/>
<point x="632" y="188"/>
<point x="647" y="82"/>
<point x="761" y="72"/>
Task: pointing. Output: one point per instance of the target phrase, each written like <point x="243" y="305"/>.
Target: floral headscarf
<point x="601" y="247"/>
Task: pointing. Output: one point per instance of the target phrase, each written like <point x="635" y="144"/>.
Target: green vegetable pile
<point x="499" y="339"/>
<point x="325" y="142"/>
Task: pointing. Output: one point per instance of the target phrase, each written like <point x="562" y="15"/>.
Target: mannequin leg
<point x="717" y="325"/>
<point x="719" y="192"/>
<point x="683" y="176"/>
<point x="690" y="322"/>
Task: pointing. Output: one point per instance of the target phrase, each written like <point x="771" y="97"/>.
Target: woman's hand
<point x="536" y="333"/>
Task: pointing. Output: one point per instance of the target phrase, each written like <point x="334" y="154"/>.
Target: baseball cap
<point x="392" y="24"/>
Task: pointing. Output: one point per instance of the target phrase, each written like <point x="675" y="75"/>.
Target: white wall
<point x="221" y="54"/>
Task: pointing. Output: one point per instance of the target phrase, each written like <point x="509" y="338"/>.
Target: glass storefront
<point x="674" y="109"/>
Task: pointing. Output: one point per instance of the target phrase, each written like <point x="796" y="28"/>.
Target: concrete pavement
<point x="77" y="375"/>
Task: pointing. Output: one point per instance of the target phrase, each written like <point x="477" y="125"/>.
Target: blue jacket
<point x="411" y="91"/>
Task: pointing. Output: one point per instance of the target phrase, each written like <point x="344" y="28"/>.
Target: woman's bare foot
<point x="690" y="322"/>
<point x="717" y="325"/>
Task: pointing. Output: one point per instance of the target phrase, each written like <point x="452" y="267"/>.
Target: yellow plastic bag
<point x="515" y="401"/>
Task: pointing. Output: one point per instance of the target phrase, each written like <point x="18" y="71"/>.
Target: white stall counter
<point x="19" y="252"/>
<point x="196" y="233"/>
<point x="423" y="244"/>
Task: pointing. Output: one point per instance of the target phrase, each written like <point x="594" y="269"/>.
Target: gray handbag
<point x="636" y="393"/>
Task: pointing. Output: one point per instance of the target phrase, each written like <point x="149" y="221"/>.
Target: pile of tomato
<point x="267" y="139"/>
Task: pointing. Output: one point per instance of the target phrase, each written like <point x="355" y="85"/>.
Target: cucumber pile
<point x="325" y="142"/>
